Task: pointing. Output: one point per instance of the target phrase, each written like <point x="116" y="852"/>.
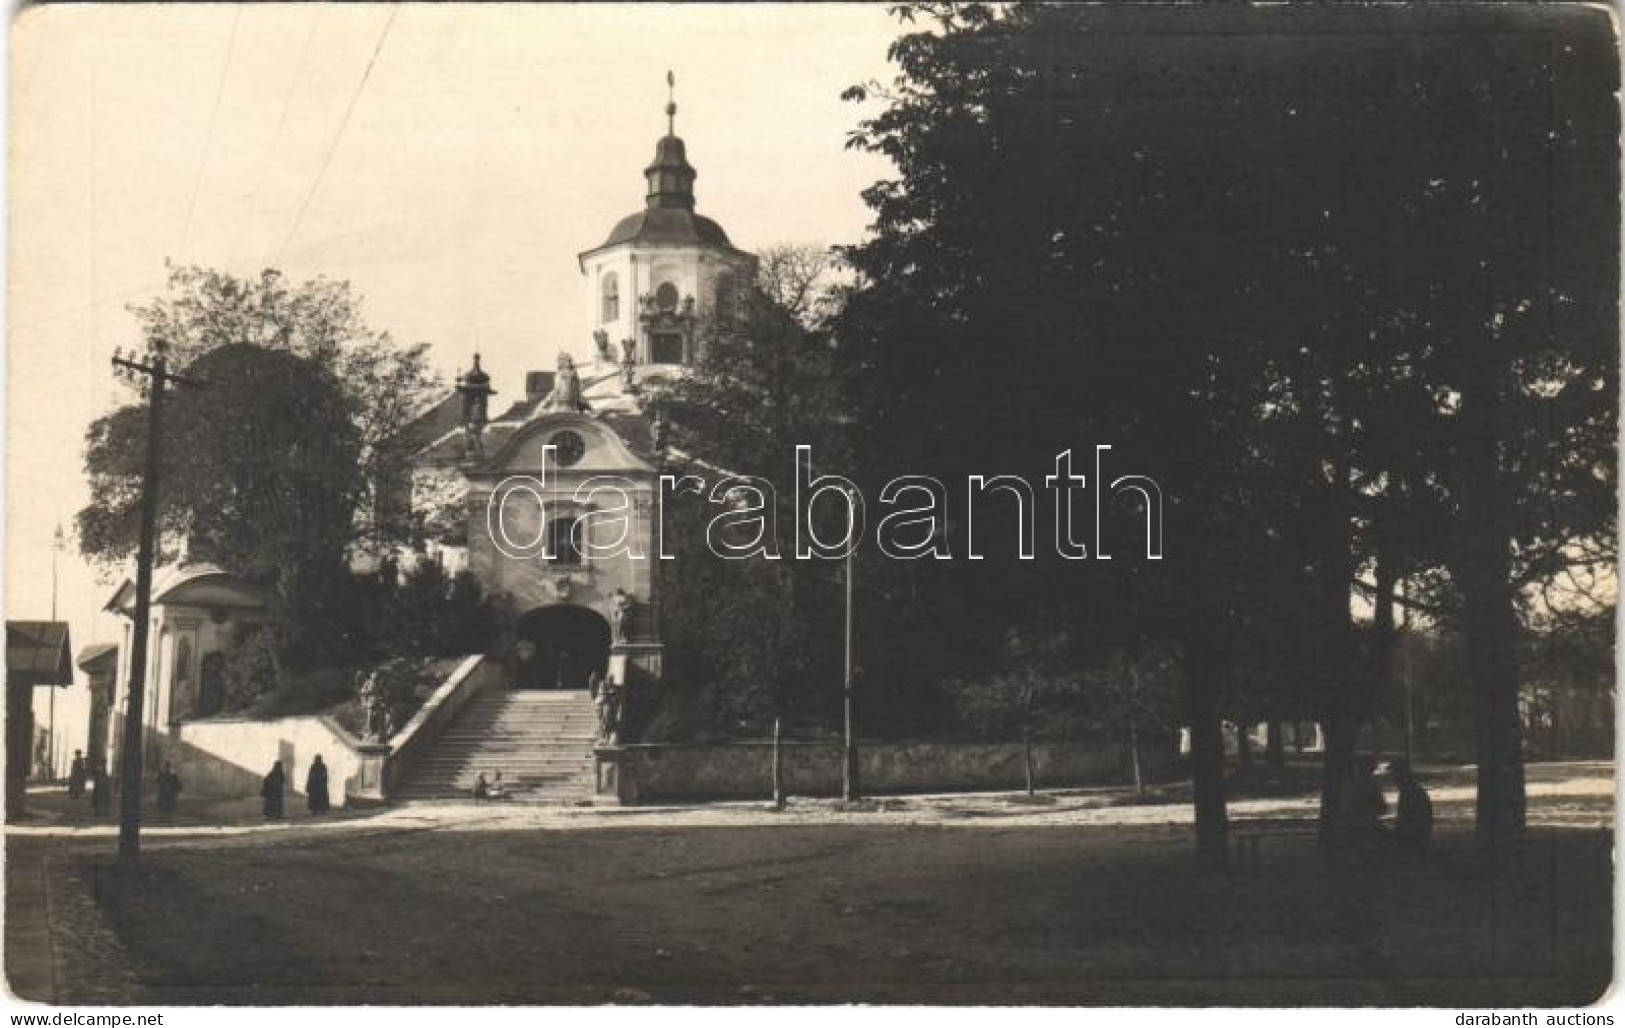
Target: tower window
<point x="666" y="297"/>
<point x="666" y="348"/>
<point x="564" y="540"/>
<point x="611" y="309"/>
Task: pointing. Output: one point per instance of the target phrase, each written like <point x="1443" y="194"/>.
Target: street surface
<point x="1086" y="896"/>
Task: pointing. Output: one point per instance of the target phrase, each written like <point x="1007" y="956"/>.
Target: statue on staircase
<point x="375" y="706"/>
<point x="621" y="614"/>
<point x="608" y="704"/>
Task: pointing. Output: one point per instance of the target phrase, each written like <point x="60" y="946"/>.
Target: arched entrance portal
<point x="558" y="647"/>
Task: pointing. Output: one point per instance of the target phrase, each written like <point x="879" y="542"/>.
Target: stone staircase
<point x="541" y="741"/>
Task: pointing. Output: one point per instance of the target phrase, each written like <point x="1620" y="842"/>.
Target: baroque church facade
<point x="511" y="496"/>
<point x="581" y="607"/>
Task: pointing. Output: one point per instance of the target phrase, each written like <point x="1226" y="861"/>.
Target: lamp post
<point x="155" y="373"/>
<point x="849" y="763"/>
<point x="58" y="544"/>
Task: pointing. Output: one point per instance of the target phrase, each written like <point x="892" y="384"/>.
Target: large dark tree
<point x="1349" y="302"/>
<point x="269" y="467"/>
<point x="753" y="639"/>
<point x="261" y="474"/>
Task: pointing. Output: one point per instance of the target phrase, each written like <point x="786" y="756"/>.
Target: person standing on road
<point x="169" y="790"/>
<point x="271" y="790"/>
<point x="76" y="775"/>
<point x="316" y="786"/>
<point x="1360" y="806"/>
<point x="1413" y="825"/>
<point x="100" y="786"/>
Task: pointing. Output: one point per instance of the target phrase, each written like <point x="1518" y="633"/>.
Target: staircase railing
<point x="436" y="715"/>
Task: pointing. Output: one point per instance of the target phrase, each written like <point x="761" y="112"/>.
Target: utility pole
<point x="58" y="544"/>
<point x="158" y="376"/>
<point x="849" y="768"/>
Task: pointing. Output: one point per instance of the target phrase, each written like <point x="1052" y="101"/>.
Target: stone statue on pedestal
<point x="621" y="615"/>
<point x="608" y="705"/>
<point x="657" y="436"/>
<point x="566" y="395"/>
<point x="375" y="705"/>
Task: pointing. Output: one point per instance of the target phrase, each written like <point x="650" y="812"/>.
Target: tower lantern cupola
<point x="671" y="177"/>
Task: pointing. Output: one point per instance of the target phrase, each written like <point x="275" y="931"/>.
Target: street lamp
<point x="58" y="544"/>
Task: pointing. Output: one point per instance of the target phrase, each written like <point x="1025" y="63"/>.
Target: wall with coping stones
<point x="655" y="772"/>
<point x="227" y="757"/>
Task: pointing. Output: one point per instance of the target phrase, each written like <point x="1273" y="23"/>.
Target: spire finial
<point x="671" y="103"/>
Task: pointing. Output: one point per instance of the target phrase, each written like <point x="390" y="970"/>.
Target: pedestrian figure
<point x="1360" y="806"/>
<point x="100" y="786"/>
<point x="271" y="790"/>
<point x="482" y="789"/>
<point x="1413" y="825"/>
<point x="169" y="790"/>
<point x="316" y="786"/>
<point x="496" y="790"/>
<point x="76" y="775"/>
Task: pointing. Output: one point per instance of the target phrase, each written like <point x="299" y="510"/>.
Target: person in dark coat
<point x="271" y="790"/>
<point x="316" y="786"/>
<point x="1360" y="806"/>
<point x="169" y="790"/>
<point x="1413" y="825"/>
<point x="100" y="788"/>
<point x="76" y="775"/>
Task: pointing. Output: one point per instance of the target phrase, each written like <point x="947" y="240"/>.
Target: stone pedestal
<point x="636" y="662"/>
<point x="613" y="784"/>
<point x="372" y="782"/>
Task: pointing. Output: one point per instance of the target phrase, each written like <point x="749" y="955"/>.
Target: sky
<point x="448" y="161"/>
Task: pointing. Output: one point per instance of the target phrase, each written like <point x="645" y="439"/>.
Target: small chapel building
<point x="480" y="497"/>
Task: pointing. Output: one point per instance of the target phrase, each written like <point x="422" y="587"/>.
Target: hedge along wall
<point x="655" y="772"/>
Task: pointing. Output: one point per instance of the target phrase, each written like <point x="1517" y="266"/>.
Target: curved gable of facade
<point x="208" y="587"/>
<point x="605" y="451"/>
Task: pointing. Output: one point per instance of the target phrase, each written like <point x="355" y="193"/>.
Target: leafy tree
<point x="1133" y="697"/>
<point x="260" y="475"/>
<point x="252" y="669"/>
<point x="385" y="384"/>
<point x="1308" y="315"/>
<point x="1037" y="696"/>
<point x="427" y="614"/>
<point x="269" y="468"/>
<point x="752" y="639"/>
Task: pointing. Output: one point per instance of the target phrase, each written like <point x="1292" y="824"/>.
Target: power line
<point x="316" y="182"/>
<point x="287" y="102"/>
<point x="208" y="144"/>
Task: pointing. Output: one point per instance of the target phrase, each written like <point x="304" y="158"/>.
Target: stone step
<point x="540" y="741"/>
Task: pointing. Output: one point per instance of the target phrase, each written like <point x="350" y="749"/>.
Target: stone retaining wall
<point x="657" y="772"/>
<point x="227" y="757"/>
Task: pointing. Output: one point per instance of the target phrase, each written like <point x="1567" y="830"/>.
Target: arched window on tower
<point x="564" y="540"/>
<point x="611" y="291"/>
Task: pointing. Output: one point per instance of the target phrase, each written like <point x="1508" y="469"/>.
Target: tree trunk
<point x="1203" y="681"/>
<point x="1482" y="569"/>
<point x="778" y="769"/>
<point x="1340" y="728"/>
<point x="1275" y="745"/>
<point x="1380" y="663"/>
<point x="1490" y="629"/>
<point x="1134" y="758"/>
<point x="1027" y="759"/>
